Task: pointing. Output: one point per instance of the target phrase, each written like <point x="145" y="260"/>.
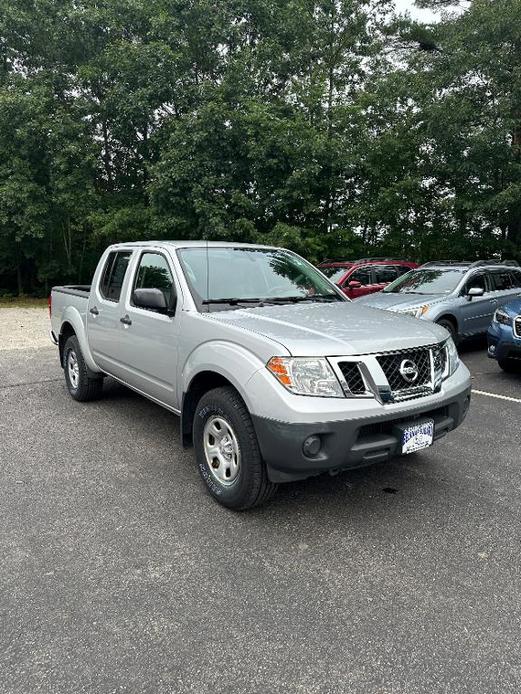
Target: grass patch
<point x="22" y="302"/>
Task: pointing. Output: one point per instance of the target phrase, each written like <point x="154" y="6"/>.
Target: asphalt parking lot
<point x="119" y="574"/>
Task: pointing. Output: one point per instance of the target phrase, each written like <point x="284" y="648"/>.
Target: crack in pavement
<point x="30" y="383"/>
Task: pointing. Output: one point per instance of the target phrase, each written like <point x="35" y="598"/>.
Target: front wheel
<point x="449" y="327"/>
<point x="510" y="366"/>
<point x="80" y="385"/>
<point x="227" y="451"/>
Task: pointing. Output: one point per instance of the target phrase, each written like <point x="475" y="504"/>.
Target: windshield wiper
<point x="297" y="299"/>
<point x="232" y="301"/>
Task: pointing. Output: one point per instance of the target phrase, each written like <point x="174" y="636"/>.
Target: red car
<point x="365" y="276"/>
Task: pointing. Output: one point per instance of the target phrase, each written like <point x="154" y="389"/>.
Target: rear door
<point x="505" y="285"/>
<point x="476" y="314"/>
<point x="104" y="312"/>
<point x="148" y="338"/>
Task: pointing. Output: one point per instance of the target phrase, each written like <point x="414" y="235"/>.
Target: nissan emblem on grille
<point x="409" y="370"/>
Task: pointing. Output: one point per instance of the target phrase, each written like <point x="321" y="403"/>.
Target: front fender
<point x="73" y="316"/>
<point x="229" y="360"/>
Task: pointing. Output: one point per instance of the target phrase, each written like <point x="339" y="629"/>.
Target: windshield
<point x="335" y="274"/>
<point x="432" y="281"/>
<point x="220" y="277"/>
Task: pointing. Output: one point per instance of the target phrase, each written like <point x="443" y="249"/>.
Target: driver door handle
<point x="125" y="320"/>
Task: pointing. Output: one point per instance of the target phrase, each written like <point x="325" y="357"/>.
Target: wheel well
<point x="66" y="331"/>
<point x="451" y="319"/>
<point x="200" y="384"/>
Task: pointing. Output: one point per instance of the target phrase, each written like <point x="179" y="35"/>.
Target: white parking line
<point x="494" y="395"/>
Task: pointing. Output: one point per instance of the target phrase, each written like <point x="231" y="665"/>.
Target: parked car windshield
<point x="428" y="281"/>
<point x="220" y="277"/>
<point x="335" y="274"/>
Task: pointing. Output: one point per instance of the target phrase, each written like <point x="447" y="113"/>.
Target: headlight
<point x="306" y="376"/>
<point x="452" y="356"/>
<point x="415" y="312"/>
<point x="501" y="316"/>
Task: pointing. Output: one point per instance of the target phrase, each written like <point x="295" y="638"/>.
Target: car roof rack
<point x="508" y="263"/>
<point x="380" y="259"/>
<point x="436" y="263"/>
<point x="471" y="264"/>
<point x="336" y="260"/>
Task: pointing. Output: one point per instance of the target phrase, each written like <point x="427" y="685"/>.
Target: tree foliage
<point x="329" y="126"/>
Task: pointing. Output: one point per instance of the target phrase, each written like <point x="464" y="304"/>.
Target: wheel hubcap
<point x="73" y="369"/>
<point x="221" y="450"/>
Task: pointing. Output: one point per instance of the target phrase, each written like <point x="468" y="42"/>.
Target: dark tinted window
<point x="479" y="281"/>
<point x="385" y="273"/>
<point x="362" y="275"/>
<point x="335" y="274"/>
<point x="501" y="280"/>
<point x="516" y="278"/>
<point x="153" y="273"/>
<point x="403" y="269"/>
<point x="114" y="274"/>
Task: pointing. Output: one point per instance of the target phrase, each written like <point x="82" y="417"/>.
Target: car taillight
<point x="49" y="304"/>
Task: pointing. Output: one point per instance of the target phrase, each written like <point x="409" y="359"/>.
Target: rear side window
<point x="501" y="280"/>
<point x="385" y="273"/>
<point x="516" y="278"/>
<point x="114" y="275"/>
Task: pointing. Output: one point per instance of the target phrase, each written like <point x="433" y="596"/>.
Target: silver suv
<point x="462" y="297"/>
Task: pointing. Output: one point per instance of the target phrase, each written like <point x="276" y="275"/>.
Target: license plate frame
<point x="417" y="436"/>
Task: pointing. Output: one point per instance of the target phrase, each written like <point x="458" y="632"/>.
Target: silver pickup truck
<point x="276" y="375"/>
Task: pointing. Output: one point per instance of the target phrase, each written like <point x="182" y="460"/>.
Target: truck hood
<point x="340" y="329"/>
<point x="390" y="301"/>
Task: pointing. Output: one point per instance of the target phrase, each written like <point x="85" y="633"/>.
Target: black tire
<point x="450" y="328"/>
<point x="251" y="486"/>
<point x="85" y="388"/>
<point x="510" y="366"/>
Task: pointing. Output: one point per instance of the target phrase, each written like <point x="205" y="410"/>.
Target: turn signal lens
<point x="306" y="376"/>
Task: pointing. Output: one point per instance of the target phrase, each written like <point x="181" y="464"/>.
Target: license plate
<point x="419" y="436"/>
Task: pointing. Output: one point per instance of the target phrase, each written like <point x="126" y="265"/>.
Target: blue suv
<point x="504" y="336"/>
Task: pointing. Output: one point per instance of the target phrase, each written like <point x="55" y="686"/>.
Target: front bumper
<point x="502" y="344"/>
<point x="354" y="442"/>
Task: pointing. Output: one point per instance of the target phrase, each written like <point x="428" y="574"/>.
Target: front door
<point x="149" y="338"/>
<point x="477" y="312"/>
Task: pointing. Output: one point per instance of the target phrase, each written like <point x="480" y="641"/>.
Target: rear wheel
<point x="510" y="366"/>
<point x="79" y="384"/>
<point x="227" y="451"/>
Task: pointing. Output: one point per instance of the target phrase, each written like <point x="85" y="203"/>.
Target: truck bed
<point x="82" y="290"/>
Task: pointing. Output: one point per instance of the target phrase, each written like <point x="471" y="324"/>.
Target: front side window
<point x="428" y="281"/>
<point x="154" y="273"/>
<point x="385" y="273"/>
<point x="362" y="275"/>
<point x="516" y="278"/>
<point x="220" y="277"/>
<point x="114" y="275"/>
<point x="335" y="274"/>
<point x="477" y="281"/>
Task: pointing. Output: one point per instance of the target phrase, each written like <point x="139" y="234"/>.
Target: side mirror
<point x="475" y="292"/>
<point x="153" y="299"/>
<point x="354" y="284"/>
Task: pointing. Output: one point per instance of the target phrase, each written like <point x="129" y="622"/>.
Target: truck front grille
<point x="414" y="373"/>
<point x="409" y="373"/>
<point x="353" y="377"/>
